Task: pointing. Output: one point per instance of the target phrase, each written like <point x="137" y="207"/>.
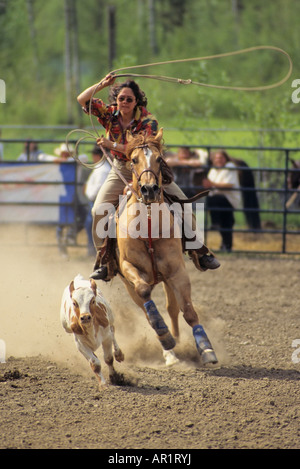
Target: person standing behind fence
<point x="94" y="182"/>
<point x="69" y="223"/>
<point x="31" y="152"/>
<point x="223" y="181"/>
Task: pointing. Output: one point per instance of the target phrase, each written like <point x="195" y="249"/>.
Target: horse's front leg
<point x="141" y="294"/>
<point x="173" y="309"/>
<point x="137" y="279"/>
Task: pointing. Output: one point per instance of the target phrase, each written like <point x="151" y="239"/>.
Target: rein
<point x="151" y="248"/>
<point x="150" y="240"/>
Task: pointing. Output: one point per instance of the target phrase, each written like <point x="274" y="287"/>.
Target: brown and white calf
<point x="87" y="315"/>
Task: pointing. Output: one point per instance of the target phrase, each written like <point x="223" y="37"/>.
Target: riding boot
<point x="100" y="274"/>
<point x="203" y="259"/>
<point x="104" y="269"/>
<point x="100" y="271"/>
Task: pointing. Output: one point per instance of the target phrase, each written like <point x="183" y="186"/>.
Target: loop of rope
<point x="211" y="57"/>
<point x="181" y="81"/>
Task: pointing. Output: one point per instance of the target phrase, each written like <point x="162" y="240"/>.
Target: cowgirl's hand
<point x="104" y="142"/>
<point x="108" y="80"/>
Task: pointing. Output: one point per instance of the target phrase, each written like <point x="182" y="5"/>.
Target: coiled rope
<point x="181" y="81"/>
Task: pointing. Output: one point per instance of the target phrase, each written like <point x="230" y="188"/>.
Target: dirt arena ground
<point x="50" y="398"/>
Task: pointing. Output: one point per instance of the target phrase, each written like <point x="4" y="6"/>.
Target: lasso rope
<point x="182" y="81"/>
<point x="210" y="57"/>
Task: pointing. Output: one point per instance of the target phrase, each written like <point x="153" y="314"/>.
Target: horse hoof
<point x="209" y="356"/>
<point x="170" y="357"/>
<point x="203" y="345"/>
<point x="167" y="341"/>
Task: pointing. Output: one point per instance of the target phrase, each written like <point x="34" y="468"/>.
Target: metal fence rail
<point x="271" y="187"/>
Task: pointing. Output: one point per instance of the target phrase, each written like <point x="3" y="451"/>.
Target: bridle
<point x="146" y="170"/>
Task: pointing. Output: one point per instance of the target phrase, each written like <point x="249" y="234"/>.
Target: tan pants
<point x="113" y="188"/>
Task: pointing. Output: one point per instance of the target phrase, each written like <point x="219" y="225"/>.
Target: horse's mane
<point x="142" y="139"/>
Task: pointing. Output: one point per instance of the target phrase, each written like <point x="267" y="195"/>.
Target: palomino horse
<point x="144" y="262"/>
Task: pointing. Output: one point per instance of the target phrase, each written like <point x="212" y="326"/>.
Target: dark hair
<point x="27" y="145"/>
<point x="223" y="152"/>
<point x="140" y="96"/>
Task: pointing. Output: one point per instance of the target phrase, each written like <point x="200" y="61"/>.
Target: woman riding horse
<point x="126" y="112"/>
<point x="150" y="250"/>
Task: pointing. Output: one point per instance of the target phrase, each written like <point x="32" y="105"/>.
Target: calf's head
<point x="86" y="308"/>
<point x="84" y="302"/>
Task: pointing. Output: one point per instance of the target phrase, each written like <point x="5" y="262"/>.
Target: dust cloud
<point x="33" y="277"/>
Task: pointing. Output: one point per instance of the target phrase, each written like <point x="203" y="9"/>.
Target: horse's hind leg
<point x="182" y="291"/>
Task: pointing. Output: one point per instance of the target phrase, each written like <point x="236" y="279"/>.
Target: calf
<point x="86" y="314"/>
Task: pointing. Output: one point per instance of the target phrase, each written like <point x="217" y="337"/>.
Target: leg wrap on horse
<point x="204" y="346"/>
<point x="159" y="325"/>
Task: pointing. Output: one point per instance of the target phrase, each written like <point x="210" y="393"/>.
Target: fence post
<point x="206" y="215"/>
<point x="76" y="201"/>
<point x="285" y="198"/>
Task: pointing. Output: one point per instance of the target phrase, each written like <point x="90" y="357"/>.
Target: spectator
<point x="66" y="233"/>
<point x="185" y="157"/>
<point x="222" y="200"/>
<point x="30" y="153"/>
<point x="63" y="154"/>
<point x="188" y="169"/>
<point x="92" y="186"/>
<point x="98" y="175"/>
<point x="249" y="197"/>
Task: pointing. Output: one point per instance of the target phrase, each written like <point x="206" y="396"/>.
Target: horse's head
<point x="145" y="153"/>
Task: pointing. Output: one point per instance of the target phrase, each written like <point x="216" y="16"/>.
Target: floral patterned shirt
<point x="108" y="116"/>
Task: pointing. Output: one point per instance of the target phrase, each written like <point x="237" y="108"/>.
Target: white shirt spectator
<point x="228" y="176"/>
<point x="96" y="179"/>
